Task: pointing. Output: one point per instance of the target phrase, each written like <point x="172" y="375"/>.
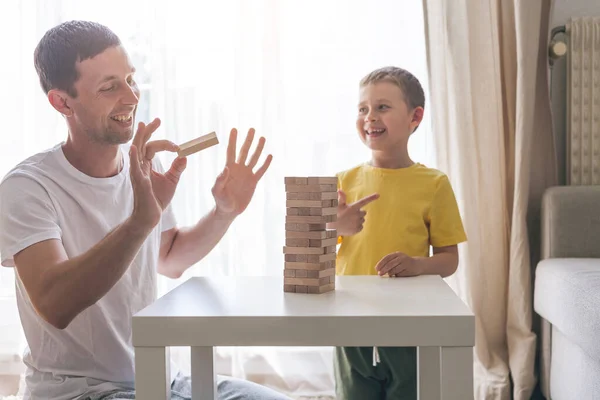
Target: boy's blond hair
<point x="414" y="96"/>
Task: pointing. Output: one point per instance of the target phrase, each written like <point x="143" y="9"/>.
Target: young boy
<point x="391" y="210"/>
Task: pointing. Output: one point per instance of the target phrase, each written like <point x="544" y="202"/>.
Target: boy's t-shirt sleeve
<point x="445" y="224"/>
<point x="27" y="217"/>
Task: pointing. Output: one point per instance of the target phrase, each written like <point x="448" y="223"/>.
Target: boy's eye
<point x="383" y="107"/>
<point x="362" y="110"/>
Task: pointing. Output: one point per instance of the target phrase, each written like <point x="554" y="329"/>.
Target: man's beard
<point x="110" y="137"/>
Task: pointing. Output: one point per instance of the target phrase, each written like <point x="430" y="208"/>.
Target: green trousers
<point x="393" y="378"/>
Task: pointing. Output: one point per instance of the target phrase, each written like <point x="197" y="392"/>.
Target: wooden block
<point x="305" y="227"/>
<point x="201" y="143"/>
<point x="310" y="188"/>
<point x="311" y="203"/>
<point x="323" y="211"/>
<point x="292" y="180"/>
<point x="322" y="242"/>
<point x="317" y="258"/>
<point x="332" y="278"/>
<point x="321" y="289"/>
<point x="310" y="258"/>
<point x="305" y="250"/>
<point x="311" y="219"/>
<point x="317" y="274"/>
<point x="289" y="273"/>
<point x="307" y="211"/>
<point x="302" y="273"/>
<point x="298" y="211"/>
<point x="289" y="288"/>
<point x="301" y="289"/>
<point x="306" y="242"/>
<point x="322" y="234"/>
<point x="298" y="242"/>
<point x="322" y="180"/>
<point x="306" y="281"/>
<point x="322" y="266"/>
<point x="311" y="196"/>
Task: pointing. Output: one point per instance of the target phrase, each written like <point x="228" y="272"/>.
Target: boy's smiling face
<point x="385" y="121"/>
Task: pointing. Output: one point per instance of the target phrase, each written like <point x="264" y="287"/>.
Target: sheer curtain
<point x="289" y="69"/>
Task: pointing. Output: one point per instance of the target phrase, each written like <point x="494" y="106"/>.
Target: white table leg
<point x="457" y="373"/>
<point x="428" y="373"/>
<point x="204" y="382"/>
<point x="152" y="373"/>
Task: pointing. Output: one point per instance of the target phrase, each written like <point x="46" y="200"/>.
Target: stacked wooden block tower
<point x="310" y="248"/>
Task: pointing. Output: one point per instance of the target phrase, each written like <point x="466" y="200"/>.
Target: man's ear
<point x="60" y="101"/>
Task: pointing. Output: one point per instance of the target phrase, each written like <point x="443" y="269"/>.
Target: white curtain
<point x="488" y="63"/>
<point x="289" y="69"/>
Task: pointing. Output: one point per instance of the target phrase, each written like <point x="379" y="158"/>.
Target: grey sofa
<point x="567" y="293"/>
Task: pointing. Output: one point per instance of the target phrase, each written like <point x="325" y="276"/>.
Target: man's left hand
<point x="235" y="186"/>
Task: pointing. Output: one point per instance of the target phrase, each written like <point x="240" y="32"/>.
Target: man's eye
<point x="107" y="89"/>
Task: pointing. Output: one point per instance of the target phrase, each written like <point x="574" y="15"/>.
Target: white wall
<point x="560" y="14"/>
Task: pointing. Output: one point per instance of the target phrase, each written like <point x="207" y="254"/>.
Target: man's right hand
<point x="152" y="191"/>
<point x="351" y="217"/>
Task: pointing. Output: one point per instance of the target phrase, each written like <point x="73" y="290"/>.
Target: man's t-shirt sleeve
<point x="27" y="216"/>
<point x="445" y="224"/>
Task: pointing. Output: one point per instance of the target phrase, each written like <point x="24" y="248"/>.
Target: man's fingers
<point x="231" y="147"/>
<point x="246" y="147"/>
<point x="257" y="152"/>
<point x="177" y="168"/>
<point x="261" y="171"/>
<point x="155" y="146"/>
<point x="134" y="165"/>
<point x="364" y="201"/>
<point x="139" y="135"/>
<point x="151" y="128"/>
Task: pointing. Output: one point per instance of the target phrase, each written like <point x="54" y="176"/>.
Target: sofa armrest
<point x="571" y="222"/>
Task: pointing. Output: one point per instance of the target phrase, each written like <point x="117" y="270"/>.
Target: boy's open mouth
<point x="375" y="132"/>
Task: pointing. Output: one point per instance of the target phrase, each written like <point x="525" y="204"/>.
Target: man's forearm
<point x="192" y="244"/>
<point x="73" y="285"/>
<point x="443" y="264"/>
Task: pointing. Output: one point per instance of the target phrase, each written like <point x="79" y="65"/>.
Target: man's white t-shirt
<point x="44" y="198"/>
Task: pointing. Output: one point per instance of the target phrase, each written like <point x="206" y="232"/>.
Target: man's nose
<point x="131" y="95"/>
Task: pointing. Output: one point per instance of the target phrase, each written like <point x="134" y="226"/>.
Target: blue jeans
<point x="227" y="389"/>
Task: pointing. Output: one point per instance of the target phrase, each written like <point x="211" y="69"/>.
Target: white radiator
<point x="583" y="101"/>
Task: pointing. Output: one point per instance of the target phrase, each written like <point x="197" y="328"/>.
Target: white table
<point x="254" y="311"/>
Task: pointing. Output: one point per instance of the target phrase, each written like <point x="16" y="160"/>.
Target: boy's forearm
<point x="443" y="264"/>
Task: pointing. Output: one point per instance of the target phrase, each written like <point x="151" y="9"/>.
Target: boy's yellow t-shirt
<point x="416" y="208"/>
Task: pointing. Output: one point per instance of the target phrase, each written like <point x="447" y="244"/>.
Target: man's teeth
<point x="121" y="118"/>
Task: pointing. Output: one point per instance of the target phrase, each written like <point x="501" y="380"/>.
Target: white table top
<point x="254" y="311"/>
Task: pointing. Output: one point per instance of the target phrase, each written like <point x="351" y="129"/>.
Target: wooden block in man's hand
<point x="201" y="143"/>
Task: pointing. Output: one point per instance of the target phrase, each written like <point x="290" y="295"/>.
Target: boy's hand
<point x="350" y="217"/>
<point x="399" y="264"/>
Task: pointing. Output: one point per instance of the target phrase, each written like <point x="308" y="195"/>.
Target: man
<point x="88" y="226"/>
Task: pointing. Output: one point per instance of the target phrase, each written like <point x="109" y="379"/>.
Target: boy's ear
<point x="417" y="117"/>
<point x="60" y="101"/>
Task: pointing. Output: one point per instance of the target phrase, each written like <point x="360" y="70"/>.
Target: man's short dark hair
<point x="59" y="50"/>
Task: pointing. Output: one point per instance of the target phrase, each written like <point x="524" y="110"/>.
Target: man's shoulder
<point x="34" y="168"/>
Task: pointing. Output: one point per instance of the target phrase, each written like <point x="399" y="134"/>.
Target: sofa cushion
<point x="567" y="294"/>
